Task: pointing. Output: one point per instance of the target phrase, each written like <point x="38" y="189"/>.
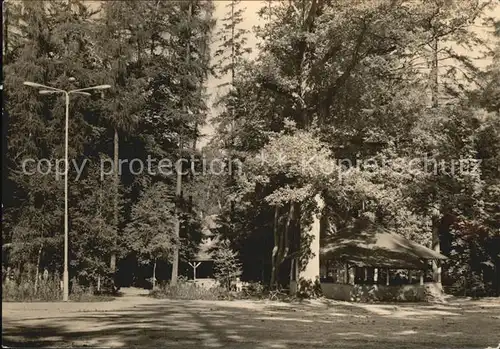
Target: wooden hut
<point x="375" y="264"/>
<point x="202" y="263"/>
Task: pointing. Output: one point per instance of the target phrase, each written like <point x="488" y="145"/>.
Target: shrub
<point x="309" y="289"/>
<point x="226" y="264"/>
<point x="23" y="289"/>
<point x="48" y="290"/>
<point x="188" y="290"/>
<point x="254" y="290"/>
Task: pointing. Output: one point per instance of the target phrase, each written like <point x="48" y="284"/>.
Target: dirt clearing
<point x="138" y="321"/>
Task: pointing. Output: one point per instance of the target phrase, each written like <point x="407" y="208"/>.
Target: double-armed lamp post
<point x="82" y="91"/>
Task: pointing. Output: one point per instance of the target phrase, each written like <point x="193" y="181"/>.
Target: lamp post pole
<point x="52" y="90"/>
<point x="66" y="171"/>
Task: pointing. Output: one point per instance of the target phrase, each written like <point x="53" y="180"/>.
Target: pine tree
<point x="230" y="55"/>
<point x="226" y="265"/>
<point x="151" y="232"/>
<point x="51" y="44"/>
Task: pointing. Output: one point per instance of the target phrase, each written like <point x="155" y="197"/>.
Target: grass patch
<point x="190" y="291"/>
<point x="25" y="290"/>
<point x="47" y="290"/>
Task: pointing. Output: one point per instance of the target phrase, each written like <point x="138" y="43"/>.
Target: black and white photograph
<point x="268" y="174"/>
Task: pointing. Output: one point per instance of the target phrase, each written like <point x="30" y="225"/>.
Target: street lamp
<point x="51" y="90"/>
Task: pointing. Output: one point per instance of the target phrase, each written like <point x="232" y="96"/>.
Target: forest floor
<point x="135" y="320"/>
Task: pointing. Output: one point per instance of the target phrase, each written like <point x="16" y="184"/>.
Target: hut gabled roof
<point x="377" y="247"/>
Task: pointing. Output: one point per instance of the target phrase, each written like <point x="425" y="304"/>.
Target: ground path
<point x="135" y="320"/>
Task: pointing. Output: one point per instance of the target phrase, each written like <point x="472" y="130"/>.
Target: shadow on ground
<point x="191" y="324"/>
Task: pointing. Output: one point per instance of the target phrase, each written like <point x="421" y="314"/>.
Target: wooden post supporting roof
<point x="436" y="265"/>
<point x="194" y="266"/>
<point x="352" y="275"/>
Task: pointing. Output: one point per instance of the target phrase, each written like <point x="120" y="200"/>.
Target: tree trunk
<point x="5" y="31"/>
<point x="37" y="273"/>
<point x="272" y="282"/>
<point x="178" y="190"/>
<point x="435" y="73"/>
<point x="436" y="266"/>
<point x="284" y="243"/>
<point x="154" y="274"/>
<point x="232" y="44"/>
<point x="436" y="269"/>
<point x="175" y="262"/>
<point x="195" y="136"/>
<point x="281" y="243"/>
<point x="116" y="175"/>
<point x="233" y="62"/>
<point x="200" y="95"/>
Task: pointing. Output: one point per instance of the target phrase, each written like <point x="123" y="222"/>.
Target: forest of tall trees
<point x="155" y="57"/>
<point x="339" y="83"/>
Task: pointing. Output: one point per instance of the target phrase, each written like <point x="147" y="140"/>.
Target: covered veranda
<point x="376" y="264"/>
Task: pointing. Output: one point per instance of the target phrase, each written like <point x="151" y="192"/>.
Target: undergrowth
<point x="47" y="289"/>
